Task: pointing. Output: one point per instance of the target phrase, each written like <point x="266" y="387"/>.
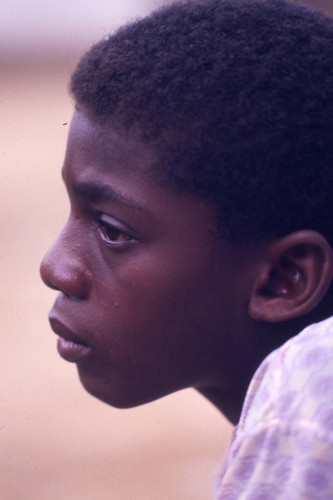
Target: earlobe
<point x="294" y="276"/>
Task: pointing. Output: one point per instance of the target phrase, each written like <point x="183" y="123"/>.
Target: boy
<point x="199" y="168"/>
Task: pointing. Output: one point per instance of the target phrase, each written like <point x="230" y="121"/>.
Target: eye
<point x="112" y="233"/>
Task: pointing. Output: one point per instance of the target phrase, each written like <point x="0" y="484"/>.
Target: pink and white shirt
<point x="282" y="447"/>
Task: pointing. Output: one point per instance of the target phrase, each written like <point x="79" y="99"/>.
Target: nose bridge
<point x="63" y="267"/>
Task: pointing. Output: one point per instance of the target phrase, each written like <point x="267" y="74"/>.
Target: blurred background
<point x="56" y="441"/>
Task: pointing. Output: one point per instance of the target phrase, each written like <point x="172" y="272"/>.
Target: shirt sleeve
<point x="280" y="461"/>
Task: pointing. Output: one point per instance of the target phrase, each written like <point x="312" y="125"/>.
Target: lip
<point x="69" y="346"/>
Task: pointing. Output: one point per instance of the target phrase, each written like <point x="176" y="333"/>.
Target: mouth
<point x="69" y="346"/>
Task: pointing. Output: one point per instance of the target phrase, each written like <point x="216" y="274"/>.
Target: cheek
<point x="143" y="350"/>
<point x="155" y="322"/>
<point x="161" y="309"/>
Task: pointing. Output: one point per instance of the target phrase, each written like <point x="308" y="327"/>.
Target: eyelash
<point x="110" y="234"/>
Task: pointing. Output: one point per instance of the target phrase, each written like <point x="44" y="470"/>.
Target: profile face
<point x="147" y="296"/>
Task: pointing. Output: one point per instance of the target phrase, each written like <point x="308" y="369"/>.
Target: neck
<point x="267" y="338"/>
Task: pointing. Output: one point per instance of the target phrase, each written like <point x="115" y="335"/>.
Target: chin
<point x="117" y="394"/>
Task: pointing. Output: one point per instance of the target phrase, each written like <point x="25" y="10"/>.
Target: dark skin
<point x="150" y="300"/>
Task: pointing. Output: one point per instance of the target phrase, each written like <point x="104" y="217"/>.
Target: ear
<point x="293" y="277"/>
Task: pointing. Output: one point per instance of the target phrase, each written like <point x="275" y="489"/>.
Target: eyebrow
<point x="98" y="192"/>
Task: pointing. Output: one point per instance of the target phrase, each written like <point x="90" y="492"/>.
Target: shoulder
<point x="295" y="381"/>
<point x="283" y="444"/>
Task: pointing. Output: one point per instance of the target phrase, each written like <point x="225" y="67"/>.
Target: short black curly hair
<point x="236" y="97"/>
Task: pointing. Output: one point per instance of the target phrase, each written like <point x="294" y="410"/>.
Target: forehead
<point x="100" y="155"/>
<point x="103" y="144"/>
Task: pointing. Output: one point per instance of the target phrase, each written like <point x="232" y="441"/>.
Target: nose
<point x="63" y="269"/>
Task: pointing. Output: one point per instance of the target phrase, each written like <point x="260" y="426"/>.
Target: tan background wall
<point x="57" y="442"/>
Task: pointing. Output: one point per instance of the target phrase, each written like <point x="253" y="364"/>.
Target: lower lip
<point x="71" y="351"/>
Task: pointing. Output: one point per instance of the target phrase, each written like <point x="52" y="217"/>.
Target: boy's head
<point x="199" y="170"/>
<point x="236" y="99"/>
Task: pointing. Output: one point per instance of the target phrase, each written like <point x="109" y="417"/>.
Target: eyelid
<point x="122" y="228"/>
<point x="125" y="235"/>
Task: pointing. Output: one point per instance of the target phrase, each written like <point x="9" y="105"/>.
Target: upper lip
<point x="63" y="331"/>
